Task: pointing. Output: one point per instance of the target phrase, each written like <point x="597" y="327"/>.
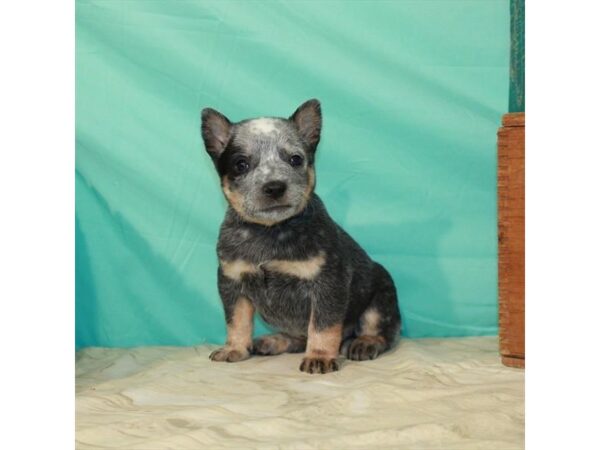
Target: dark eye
<point x="296" y="160"/>
<point x="241" y="166"/>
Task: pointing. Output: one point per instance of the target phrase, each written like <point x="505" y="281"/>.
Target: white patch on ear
<point x="262" y="125"/>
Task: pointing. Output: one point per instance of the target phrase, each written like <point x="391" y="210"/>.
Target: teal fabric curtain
<point x="412" y="95"/>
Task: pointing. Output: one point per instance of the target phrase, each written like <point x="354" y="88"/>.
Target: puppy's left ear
<point x="308" y="120"/>
<point x="216" y="131"/>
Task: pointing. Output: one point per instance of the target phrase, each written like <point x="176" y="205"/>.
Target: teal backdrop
<point x="412" y="95"/>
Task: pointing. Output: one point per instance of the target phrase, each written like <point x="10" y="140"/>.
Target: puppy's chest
<point x="285" y="254"/>
<point x="250" y="270"/>
<point x="278" y="288"/>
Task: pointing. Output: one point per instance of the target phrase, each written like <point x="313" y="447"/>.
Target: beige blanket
<point x="426" y="394"/>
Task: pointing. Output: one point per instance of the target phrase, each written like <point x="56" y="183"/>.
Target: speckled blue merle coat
<point x="283" y="257"/>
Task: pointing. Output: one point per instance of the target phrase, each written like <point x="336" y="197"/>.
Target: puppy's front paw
<point x="319" y="365"/>
<point x="229" y="354"/>
<point x="365" y="347"/>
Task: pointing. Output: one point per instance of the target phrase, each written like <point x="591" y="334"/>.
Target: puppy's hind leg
<point x="275" y="344"/>
<point x="379" y="324"/>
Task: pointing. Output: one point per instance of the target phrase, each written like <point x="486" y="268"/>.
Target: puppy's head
<point x="266" y="165"/>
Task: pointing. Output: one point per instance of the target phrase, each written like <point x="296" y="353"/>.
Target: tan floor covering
<point x="426" y="394"/>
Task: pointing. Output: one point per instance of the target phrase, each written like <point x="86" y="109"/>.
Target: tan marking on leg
<point x="306" y="269"/>
<point x="235" y="269"/>
<point x="369" y="322"/>
<point x="239" y="334"/>
<point x="239" y="330"/>
<point x="322" y="349"/>
<point x="323" y="343"/>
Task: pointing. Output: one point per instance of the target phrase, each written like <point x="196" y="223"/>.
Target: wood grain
<point x="511" y="238"/>
<point x="513" y="361"/>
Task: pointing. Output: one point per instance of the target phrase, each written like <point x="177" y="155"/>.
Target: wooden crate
<point x="511" y="238"/>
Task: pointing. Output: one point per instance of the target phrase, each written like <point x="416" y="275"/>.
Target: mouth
<point x="276" y="208"/>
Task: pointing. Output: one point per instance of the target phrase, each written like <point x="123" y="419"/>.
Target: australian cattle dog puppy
<point x="282" y="256"/>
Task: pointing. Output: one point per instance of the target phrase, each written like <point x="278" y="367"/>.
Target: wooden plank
<point x="513" y="120"/>
<point x="511" y="236"/>
<point x="511" y="361"/>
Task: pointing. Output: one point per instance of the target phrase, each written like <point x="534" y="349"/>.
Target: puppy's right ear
<point x="216" y="131"/>
<point x="308" y="120"/>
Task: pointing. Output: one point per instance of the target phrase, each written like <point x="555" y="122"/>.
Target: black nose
<point x="274" y="189"/>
